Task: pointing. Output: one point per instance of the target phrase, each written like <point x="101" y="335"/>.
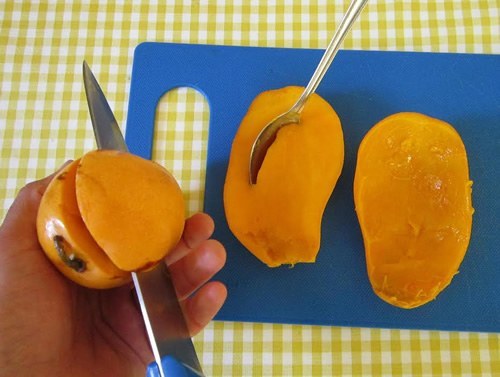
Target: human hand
<point x="52" y="326"/>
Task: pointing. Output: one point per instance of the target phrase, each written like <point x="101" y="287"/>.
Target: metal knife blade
<point x="165" y="323"/>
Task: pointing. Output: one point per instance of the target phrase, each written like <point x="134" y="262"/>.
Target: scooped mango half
<point x="108" y="214"/>
<point x="279" y="218"/>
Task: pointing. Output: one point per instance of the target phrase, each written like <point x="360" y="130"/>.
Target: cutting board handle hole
<point x="180" y="141"/>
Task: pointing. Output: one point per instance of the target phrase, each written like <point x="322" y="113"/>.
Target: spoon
<point x="268" y="134"/>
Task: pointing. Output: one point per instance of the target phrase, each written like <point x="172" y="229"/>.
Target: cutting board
<point x="363" y="87"/>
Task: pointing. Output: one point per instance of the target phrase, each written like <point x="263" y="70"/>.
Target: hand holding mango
<point x="51" y="326"/>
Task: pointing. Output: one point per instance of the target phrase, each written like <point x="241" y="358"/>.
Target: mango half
<point x="412" y="195"/>
<point x="107" y="214"/>
<point x="279" y="218"/>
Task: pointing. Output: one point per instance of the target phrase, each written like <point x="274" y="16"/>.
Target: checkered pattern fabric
<point x="44" y="121"/>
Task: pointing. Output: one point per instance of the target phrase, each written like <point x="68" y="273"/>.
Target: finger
<point x="198" y="228"/>
<point x="196" y="268"/>
<point x="121" y="312"/>
<point x="200" y="309"/>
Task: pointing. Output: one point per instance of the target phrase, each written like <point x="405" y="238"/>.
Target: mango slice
<point x="412" y="195"/>
<point x="107" y="214"/>
<point x="279" y="218"/>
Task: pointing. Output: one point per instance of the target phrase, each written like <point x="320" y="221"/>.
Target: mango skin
<point x="58" y="215"/>
<point x="279" y="218"/>
<point x="413" y="199"/>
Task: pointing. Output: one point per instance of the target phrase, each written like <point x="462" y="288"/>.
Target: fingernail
<point x="65" y="164"/>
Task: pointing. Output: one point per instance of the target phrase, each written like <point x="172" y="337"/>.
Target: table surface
<point x="44" y="121"/>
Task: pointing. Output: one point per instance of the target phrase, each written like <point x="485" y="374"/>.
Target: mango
<point x="279" y="218"/>
<point x="413" y="199"/>
<point x="108" y="214"/>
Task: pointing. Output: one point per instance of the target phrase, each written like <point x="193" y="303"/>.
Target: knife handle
<point x="171" y="368"/>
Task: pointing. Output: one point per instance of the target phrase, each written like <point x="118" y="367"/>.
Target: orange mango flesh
<point x="133" y="208"/>
<point x="59" y="216"/>
<point x="413" y="200"/>
<point x="114" y="211"/>
<point x="279" y="218"/>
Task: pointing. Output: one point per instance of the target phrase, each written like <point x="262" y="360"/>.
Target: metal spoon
<point x="268" y="134"/>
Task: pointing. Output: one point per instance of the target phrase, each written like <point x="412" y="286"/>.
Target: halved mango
<point x="412" y="195"/>
<point x="279" y="218"/>
<point x="107" y="214"/>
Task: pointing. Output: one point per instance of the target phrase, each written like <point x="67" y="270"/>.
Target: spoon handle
<point x="350" y="16"/>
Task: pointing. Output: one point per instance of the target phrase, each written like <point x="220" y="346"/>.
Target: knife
<point x="166" y="326"/>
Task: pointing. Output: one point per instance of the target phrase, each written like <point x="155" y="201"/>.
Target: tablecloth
<point x="44" y="121"/>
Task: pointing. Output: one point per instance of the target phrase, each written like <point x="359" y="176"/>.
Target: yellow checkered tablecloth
<point x="44" y="121"/>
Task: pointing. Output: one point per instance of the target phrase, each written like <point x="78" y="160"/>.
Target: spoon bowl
<point x="268" y="134"/>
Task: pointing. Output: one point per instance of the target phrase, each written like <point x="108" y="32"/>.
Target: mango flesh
<point x="133" y="208"/>
<point x="413" y="200"/>
<point x="279" y="218"/>
<point x="113" y="211"/>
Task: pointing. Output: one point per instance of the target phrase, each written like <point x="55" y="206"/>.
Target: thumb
<point x="19" y="225"/>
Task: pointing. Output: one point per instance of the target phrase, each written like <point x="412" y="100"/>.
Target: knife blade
<point x="163" y="318"/>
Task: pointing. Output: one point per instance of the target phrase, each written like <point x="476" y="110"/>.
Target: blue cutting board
<point x="363" y="87"/>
